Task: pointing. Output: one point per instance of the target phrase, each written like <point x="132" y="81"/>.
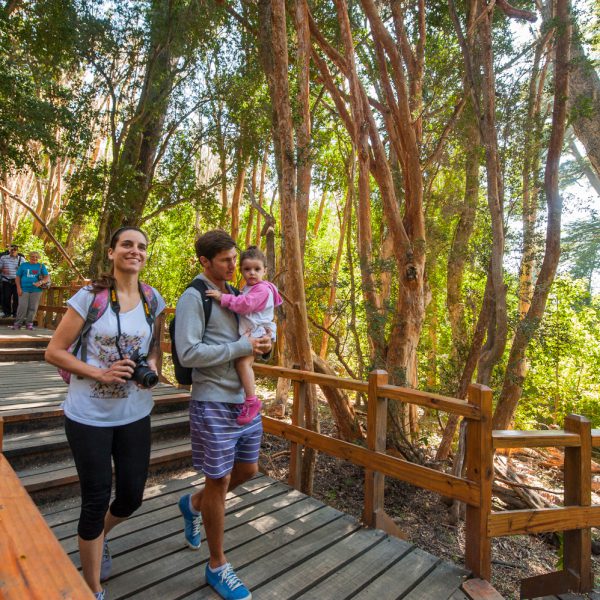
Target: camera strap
<point x="116" y="307"/>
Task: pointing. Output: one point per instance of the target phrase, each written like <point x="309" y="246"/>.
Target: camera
<point x="142" y="373"/>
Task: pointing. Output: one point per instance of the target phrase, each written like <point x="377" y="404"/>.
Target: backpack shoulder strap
<point x="150" y="301"/>
<point x="95" y="311"/>
<point x="201" y="287"/>
<point x="233" y="290"/>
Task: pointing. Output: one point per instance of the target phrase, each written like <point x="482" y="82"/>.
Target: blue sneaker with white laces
<point x="192" y="523"/>
<point x="106" y="564"/>
<point x="227" y="584"/>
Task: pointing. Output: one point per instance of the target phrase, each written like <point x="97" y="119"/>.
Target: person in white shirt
<point x="107" y="414"/>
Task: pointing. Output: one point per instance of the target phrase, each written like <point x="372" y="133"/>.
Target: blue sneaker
<point x="106" y="564"/>
<point x="102" y="595"/>
<point x="227" y="584"/>
<point x="192" y="523"/>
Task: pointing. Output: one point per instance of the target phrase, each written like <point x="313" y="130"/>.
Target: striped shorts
<point x="218" y="441"/>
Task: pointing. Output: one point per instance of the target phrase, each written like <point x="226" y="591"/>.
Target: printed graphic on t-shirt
<point x="107" y="355"/>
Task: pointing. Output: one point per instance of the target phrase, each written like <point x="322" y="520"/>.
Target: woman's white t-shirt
<point x="93" y="403"/>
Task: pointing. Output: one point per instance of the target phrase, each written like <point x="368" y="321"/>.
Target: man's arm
<point x="189" y="331"/>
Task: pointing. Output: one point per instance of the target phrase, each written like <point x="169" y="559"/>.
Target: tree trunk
<point x="303" y="126"/>
<point x="237" y="194"/>
<point x="495" y="193"/>
<point x="284" y="139"/>
<point x="460" y="243"/>
<point x="513" y="380"/>
<point x="531" y="150"/>
<point x="584" y="102"/>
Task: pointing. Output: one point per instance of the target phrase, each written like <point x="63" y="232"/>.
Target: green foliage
<point x="564" y="359"/>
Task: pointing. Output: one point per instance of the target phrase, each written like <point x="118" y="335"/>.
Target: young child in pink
<point x="255" y="307"/>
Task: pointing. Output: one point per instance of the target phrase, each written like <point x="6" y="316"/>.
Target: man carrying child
<point x="225" y="451"/>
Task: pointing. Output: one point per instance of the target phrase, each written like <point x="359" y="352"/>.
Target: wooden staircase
<point x="34" y="439"/>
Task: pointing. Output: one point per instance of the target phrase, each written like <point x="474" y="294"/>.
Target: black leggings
<point x="92" y="448"/>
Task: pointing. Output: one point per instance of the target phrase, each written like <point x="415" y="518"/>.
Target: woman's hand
<point x="119" y="372"/>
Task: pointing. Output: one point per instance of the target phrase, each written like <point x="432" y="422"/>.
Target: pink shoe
<point x="249" y="411"/>
<point x="15" y="326"/>
<point x="30" y="326"/>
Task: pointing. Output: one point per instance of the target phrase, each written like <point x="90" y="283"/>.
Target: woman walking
<point x="106" y="340"/>
<point x="30" y="279"/>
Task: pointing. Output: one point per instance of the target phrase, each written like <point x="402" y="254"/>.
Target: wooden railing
<point x="575" y="518"/>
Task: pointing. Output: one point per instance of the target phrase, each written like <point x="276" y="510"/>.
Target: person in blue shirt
<point x="30" y="278"/>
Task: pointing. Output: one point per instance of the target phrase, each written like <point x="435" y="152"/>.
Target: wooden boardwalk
<point x="283" y="544"/>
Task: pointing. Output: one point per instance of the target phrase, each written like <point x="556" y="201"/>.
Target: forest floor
<point x="423" y="516"/>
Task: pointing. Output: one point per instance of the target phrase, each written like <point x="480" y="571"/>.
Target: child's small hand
<point x="216" y="294"/>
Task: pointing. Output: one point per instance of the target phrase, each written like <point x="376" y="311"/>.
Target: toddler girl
<point x="255" y="307"/>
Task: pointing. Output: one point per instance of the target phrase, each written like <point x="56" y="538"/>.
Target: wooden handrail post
<point x="298" y="418"/>
<point x="1" y="434"/>
<point x="376" y="436"/>
<point x="577" y="557"/>
<point x="480" y="468"/>
<point x="374" y="514"/>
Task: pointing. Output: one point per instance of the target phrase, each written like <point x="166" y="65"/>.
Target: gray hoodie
<point x="211" y="353"/>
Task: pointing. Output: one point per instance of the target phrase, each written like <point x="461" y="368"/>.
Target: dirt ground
<point x="424" y="517"/>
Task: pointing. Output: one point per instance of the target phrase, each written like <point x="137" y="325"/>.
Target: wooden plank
<point x="17" y="444"/>
<point x="132" y="568"/>
<point x="260" y="530"/>
<point x="595" y="438"/>
<point x="479" y="589"/>
<point x="577" y="545"/>
<point x="533" y="439"/>
<point x="442" y="483"/>
<point x="401" y="577"/>
<point x="139" y="529"/>
<point x="359" y="573"/>
<point x="298" y="419"/>
<point x="330" y="558"/>
<point x="556" y="582"/>
<point x="516" y="522"/>
<point x="32" y="563"/>
<point x="376" y="441"/>
<point x="479" y="461"/>
<point x="440" y="583"/>
<point x="429" y="400"/>
<point x="17" y="413"/>
<point x="64" y="522"/>
<point x="35" y="480"/>
<point x="274" y="372"/>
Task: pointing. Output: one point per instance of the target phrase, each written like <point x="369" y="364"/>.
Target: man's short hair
<point x="213" y="242"/>
<point x="14" y="247"/>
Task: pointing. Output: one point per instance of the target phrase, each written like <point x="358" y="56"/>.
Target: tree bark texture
<point x="299" y="339"/>
<point x="584" y="102"/>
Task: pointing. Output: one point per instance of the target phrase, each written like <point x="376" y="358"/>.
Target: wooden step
<point x="43" y="479"/>
<point x="23" y="445"/>
<point x="31" y="339"/>
<point x="21" y="354"/>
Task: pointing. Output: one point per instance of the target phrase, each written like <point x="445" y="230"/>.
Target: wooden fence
<point x="575" y="518"/>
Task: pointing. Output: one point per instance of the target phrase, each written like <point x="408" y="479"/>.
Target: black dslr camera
<point x="142" y="373"/>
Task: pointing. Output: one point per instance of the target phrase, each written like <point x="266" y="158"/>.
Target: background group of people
<point x="107" y="340"/>
<point x="22" y="283"/>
